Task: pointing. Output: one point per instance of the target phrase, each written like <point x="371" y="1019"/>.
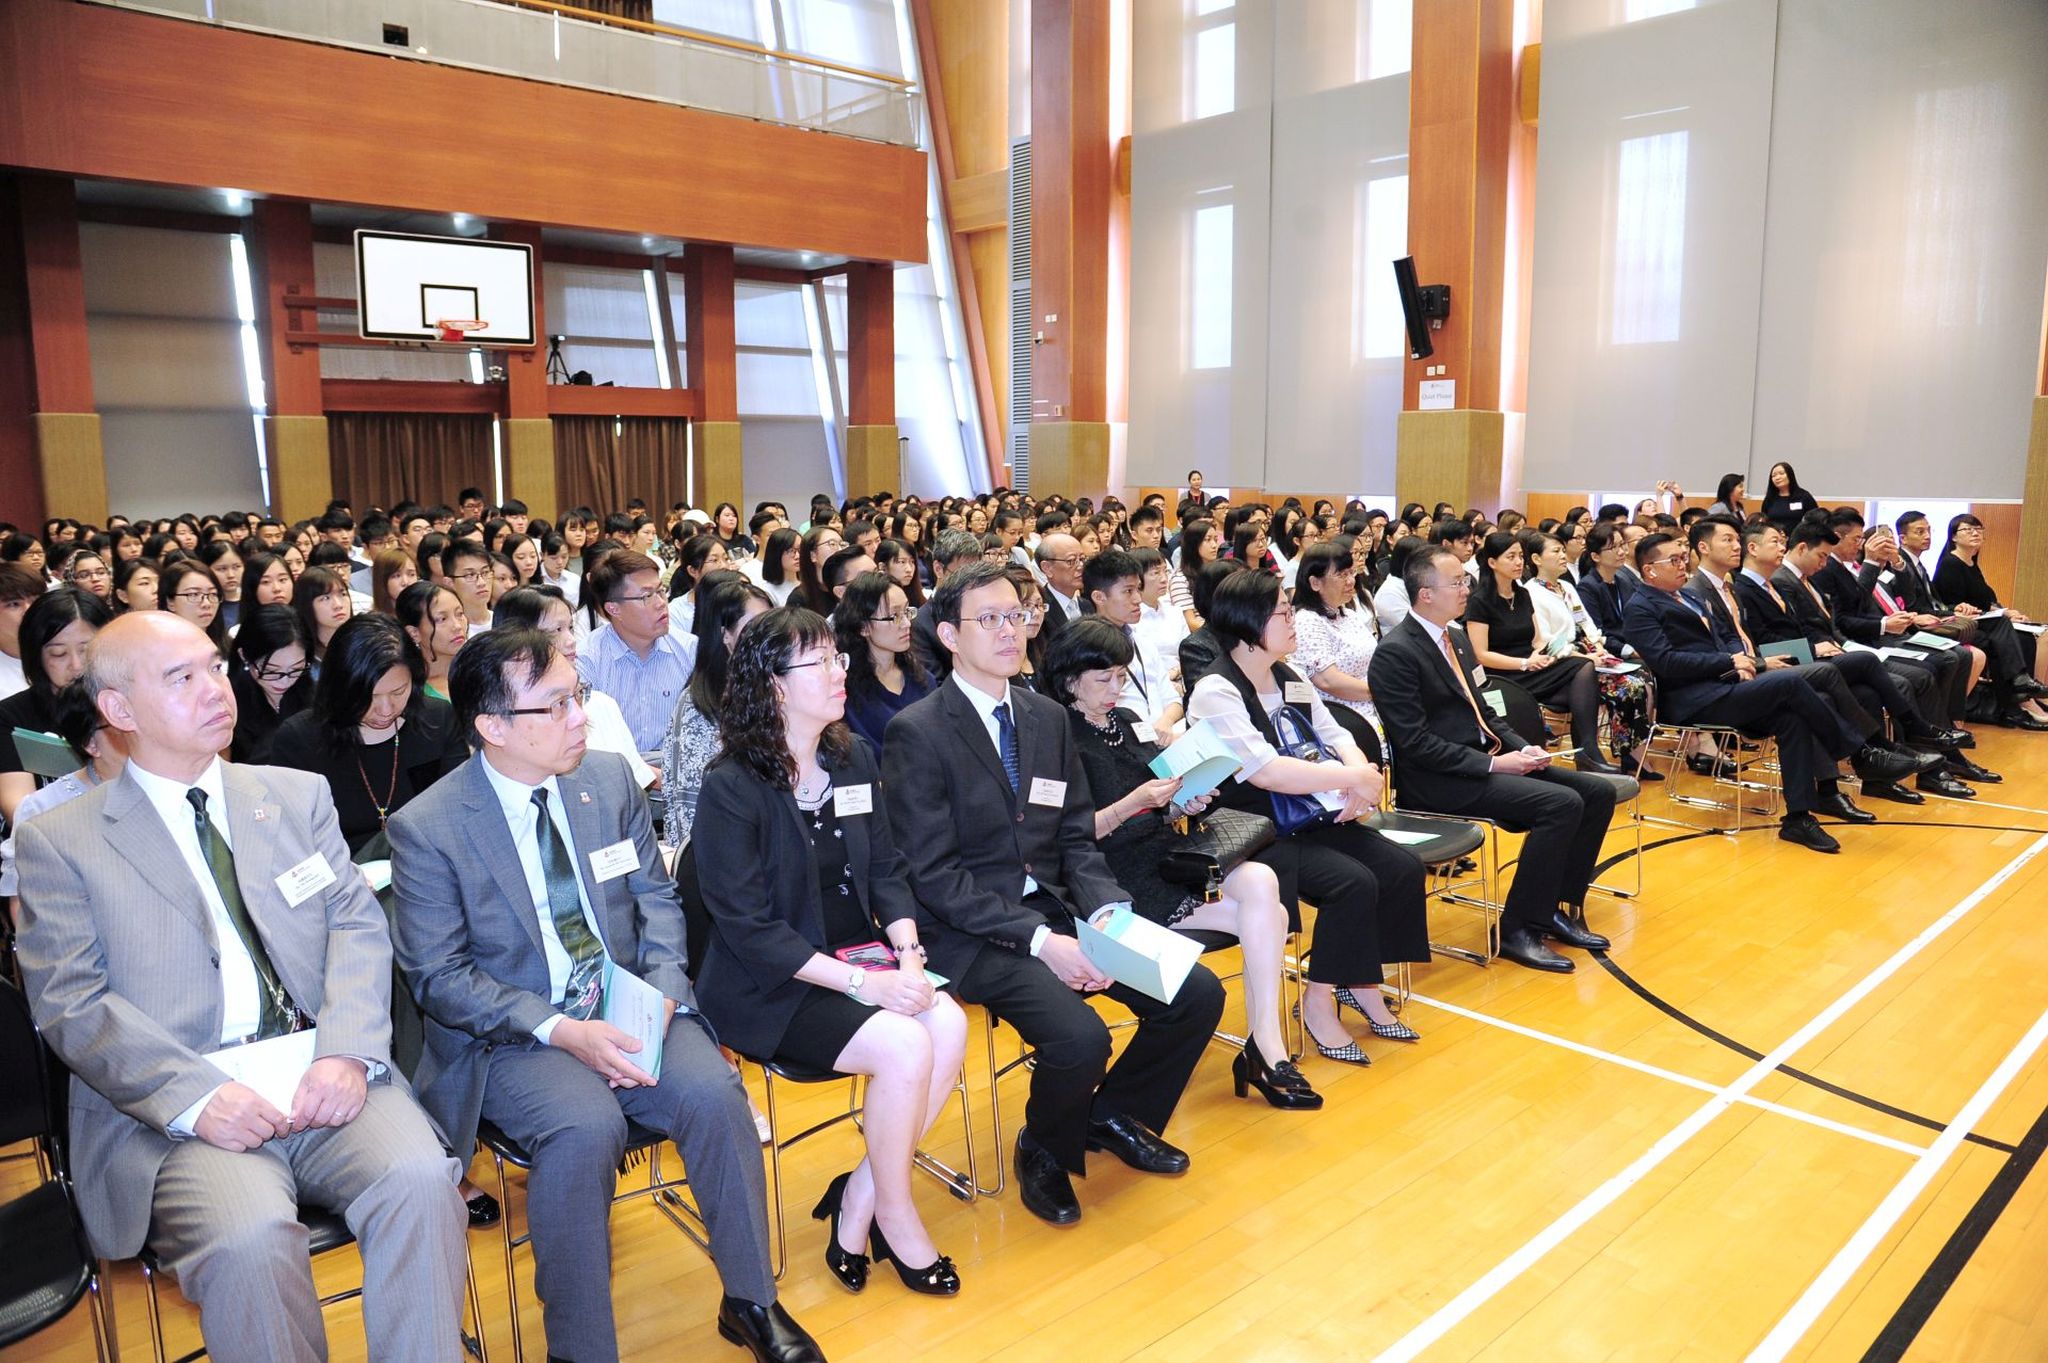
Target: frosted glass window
<point x="1212" y="84"/>
<point x="1937" y="512"/>
<point x="1633" y="10"/>
<point x="1209" y="287"/>
<point x="1380" y="329"/>
<point x="858" y="33"/>
<point x="769" y="315"/>
<point x="733" y="18"/>
<point x="1649" y="239"/>
<point x="603" y="313"/>
<point x="1386" y="38"/>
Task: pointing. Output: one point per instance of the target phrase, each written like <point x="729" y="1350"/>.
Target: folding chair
<point x="1738" y="759"/>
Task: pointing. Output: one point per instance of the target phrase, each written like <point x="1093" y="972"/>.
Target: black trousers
<point x="1368" y="896"/>
<point x="1565" y="814"/>
<point x="1073" y="1078"/>
<point x="1812" y="736"/>
<point x="1833" y="687"/>
<point x="1877" y="688"/>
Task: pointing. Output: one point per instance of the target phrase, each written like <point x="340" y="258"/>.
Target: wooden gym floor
<point x="1796" y="1114"/>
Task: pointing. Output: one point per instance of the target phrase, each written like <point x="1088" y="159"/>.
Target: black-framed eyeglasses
<point x="201" y="598"/>
<point x="473" y="575"/>
<point x="278" y="673"/>
<point x="556" y="709"/>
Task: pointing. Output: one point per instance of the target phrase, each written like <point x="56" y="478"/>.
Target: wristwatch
<point x="853" y="985"/>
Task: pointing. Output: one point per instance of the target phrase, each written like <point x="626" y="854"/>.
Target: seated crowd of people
<point x="812" y="787"/>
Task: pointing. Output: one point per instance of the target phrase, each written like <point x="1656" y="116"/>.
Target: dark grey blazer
<point x="468" y="935"/>
<point x="970" y="840"/>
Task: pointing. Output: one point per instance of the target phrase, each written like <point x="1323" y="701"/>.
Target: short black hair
<point x="1051" y="521"/>
<point x="513" y="507"/>
<point x="1424" y="563"/>
<point x="266" y="629"/>
<point x="962" y="580"/>
<point x="1090" y="644"/>
<point x="469" y="494"/>
<point x="457" y="550"/>
<point x="1450" y="530"/>
<point x="1146" y="513"/>
<point x="375" y="527"/>
<point x="1845" y="515"/>
<point x="1242" y="605"/>
<point x="1703" y="530"/>
<point x="1648" y="545"/>
<point x="481" y="680"/>
<point x="523" y="607"/>
<point x="1105" y="570"/>
<point x="1812" y="532"/>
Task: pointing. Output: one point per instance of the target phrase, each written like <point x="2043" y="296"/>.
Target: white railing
<point x="538" y="44"/>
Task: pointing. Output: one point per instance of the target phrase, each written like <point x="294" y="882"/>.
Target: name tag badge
<point x="1048" y="792"/>
<point x="1298" y="693"/>
<point x="1145" y="732"/>
<point x="1795" y="506"/>
<point x="1478" y="677"/>
<point x="609" y="863"/>
<point x="858" y="799"/>
<point x="305" y="880"/>
<point x="1885" y="577"/>
<point x="1496" y="703"/>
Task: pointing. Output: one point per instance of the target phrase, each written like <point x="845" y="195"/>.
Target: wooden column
<point x="719" y="474"/>
<point x="874" y="460"/>
<point x="1462" y="123"/>
<point x="21" y="474"/>
<point x="69" y="456"/>
<point x="295" y="427"/>
<point x="1071" y="186"/>
<point x="529" y="430"/>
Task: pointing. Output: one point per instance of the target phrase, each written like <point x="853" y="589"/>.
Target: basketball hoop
<point x="454" y="329"/>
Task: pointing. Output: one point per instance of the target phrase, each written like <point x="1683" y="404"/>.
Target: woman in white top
<point x="558" y="569"/>
<point x="777" y="570"/>
<point x="543" y="608"/>
<point x="1201" y="541"/>
<point x="1563" y="626"/>
<point x="1367" y="890"/>
<point x="1334" y="641"/>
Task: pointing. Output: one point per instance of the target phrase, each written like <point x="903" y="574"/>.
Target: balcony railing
<point x="555" y="43"/>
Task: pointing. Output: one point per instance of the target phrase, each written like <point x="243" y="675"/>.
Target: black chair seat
<point x="1210" y="939"/>
<point x="42" y="1272"/>
<point x="325" y="1230"/>
<point x="1447" y="841"/>
<point x="798" y="1074"/>
<point x="638" y="1138"/>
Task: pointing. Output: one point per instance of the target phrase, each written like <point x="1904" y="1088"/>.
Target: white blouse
<point x="1217" y="701"/>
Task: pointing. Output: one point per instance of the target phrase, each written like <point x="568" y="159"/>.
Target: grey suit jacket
<point x="122" y="965"/>
<point x="468" y="935"/>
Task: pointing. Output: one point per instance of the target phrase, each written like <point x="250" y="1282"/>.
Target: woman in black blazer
<point x="814" y="955"/>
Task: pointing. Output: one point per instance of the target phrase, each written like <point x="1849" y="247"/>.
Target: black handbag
<point x="1225" y="840"/>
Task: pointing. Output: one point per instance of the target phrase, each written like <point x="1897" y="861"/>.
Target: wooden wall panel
<point x="89" y="90"/>
<point x="1071" y="187"/>
<point x="21" y="478"/>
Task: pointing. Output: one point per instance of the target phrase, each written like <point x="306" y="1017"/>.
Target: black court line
<point x="1678" y="1014"/>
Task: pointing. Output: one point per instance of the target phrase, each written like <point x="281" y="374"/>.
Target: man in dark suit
<point x="527" y="882"/>
<point x="993" y="814"/>
<point x="949" y="551"/>
<point x="1060" y="562"/>
<point x="1708" y="676"/>
<point x="1456" y="758"/>
<point x="2012" y="682"/>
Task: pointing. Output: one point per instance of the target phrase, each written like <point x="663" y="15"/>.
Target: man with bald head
<point x="1060" y="562"/>
<point x="184" y="910"/>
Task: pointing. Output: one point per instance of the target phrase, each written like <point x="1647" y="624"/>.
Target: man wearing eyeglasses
<point x="1707" y="675"/>
<point x="1000" y="838"/>
<point x="528" y="886"/>
<point x="1060" y="564"/>
<point x="466" y="571"/>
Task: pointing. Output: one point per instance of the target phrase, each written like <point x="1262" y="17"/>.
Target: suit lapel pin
<point x="586" y="796"/>
<point x="259" y="816"/>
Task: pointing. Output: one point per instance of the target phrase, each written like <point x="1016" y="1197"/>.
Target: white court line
<point x="1447" y="1317"/>
<point x="1843" y="1266"/>
<point x="1987" y="804"/>
<point x="1658" y="1071"/>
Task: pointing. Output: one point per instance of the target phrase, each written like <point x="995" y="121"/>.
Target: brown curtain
<point x="603" y="462"/>
<point x="382" y="458"/>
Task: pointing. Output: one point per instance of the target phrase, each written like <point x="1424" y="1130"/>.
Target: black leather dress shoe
<point x="1941" y="783"/>
<point x="1805" y="830"/>
<point x="2017" y="718"/>
<point x="1596" y="766"/>
<point x="1131" y="1141"/>
<point x="768" y="1331"/>
<point x="1873" y="763"/>
<point x="1888" y="790"/>
<point x="1524" y="946"/>
<point x="1563" y="929"/>
<point x="1963" y="769"/>
<point x="1836" y="805"/>
<point x="483" y="1211"/>
<point x="1940" y="736"/>
<point x="1968" y="739"/>
<point x="2028" y="686"/>
<point x="1042" y="1185"/>
<point x="1700" y="765"/>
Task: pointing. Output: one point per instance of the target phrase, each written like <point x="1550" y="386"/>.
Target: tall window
<point x="1649" y="239"/>
<point x="1378" y="329"/>
<point x="1386" y="39"/>
<point x="1210" y="263"/>
<point x="1210" y="70"/>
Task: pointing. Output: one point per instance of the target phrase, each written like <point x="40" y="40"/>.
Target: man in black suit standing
<point x="983" y="781"/>
<point x="1456" y="758"/>
<point x="1705" y="675"/>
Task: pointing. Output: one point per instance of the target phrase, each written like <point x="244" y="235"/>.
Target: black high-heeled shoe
<point x="1282" y="1085"/>
<point x="849" y="1268"/>
<point x="937" y="1279"/>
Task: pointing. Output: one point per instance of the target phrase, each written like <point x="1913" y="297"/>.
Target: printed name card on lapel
<point x="1297" y="693"/>
<point x="858" y="799"/>
<point x="1048" y="792"/>
<point x="609" y="863"/>
<point x="305" y="880"/>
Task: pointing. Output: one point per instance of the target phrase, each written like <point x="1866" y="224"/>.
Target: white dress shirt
<point x="515" y="798"/>
<point x="12" y="681"/>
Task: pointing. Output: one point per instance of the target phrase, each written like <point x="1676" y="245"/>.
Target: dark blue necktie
<point x="1006" y="739"/>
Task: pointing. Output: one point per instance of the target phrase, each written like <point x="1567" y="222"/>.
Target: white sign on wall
<point x="1437" y="395"/>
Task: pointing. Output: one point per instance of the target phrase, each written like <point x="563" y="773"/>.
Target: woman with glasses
<point x="1031" y="601"/>
<point x="371" y="732"/>
<point x="692" y="738"/>
<point x="1086" y="671"/>
<point x="883" y="675"/>
<point x="437" y="624"/>
<point x="273" y="680"/>
<point x="135" y="584"/>
<point x="88" y="571"/>
<point x="324" y="604"/>
<point x="28" y="551"/>
<point x="1367" y="890"/>
<point x="814" y="955"/>
<point x="1959" y="580"/>
<point x="55" y="632"/>
<point x="189" y="588"/>
<point x="547" y="610"/>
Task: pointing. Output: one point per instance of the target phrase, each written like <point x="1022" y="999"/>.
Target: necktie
<point x="1006" y="741"/>
<point x="1886" y="599"/>
<point x="1772" y="588"/>
<point x="279" y="1016"/>
<point x="585" y="989"/>
<point x="1825" y="613"/>
<point x="1465" y="685"/>
<point x="1735" y="616"/>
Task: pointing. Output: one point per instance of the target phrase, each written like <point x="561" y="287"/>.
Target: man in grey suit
<point x="524" y="881"/>
<point x="179" y="912"/>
